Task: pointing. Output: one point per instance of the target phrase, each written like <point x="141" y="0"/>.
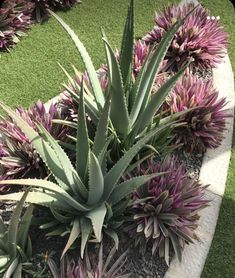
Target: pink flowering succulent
<point x="17" y="155"/>
<point x="14" y="22"/>
<point x="164" y="212"/>
<point x="205" y="125"/>
<point x="200" y="38"/>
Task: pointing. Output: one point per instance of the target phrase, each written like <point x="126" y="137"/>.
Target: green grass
<point x="30" y="72"/>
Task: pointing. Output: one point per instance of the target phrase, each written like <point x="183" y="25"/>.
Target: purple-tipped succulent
<point x="205" y="125"/>
<point x="169" y="216"/>
<point x="91" y="266"/>
<point x="40" y="7"/>
<point x="17" y="155"/>
<point x="201" y="37"/>
<point x="14" y="22"/>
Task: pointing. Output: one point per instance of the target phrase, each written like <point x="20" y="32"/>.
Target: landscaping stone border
<point x="214" y="172"/>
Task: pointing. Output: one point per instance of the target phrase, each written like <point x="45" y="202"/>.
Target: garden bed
<point x="139" y="265"/>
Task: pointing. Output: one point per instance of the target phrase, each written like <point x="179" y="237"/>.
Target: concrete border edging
<point x="214" y="172"/>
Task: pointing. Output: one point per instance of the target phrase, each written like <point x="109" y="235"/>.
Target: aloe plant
<point x="133" y="107"/>
<point x="85" y="200"/>
<point x="15" y="244"/>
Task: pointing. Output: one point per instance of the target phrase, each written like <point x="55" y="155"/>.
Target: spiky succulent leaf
<point x="98" y="94"/>
<point x="96" y="181"/>
<point x="112" y="177"/>
<point x="75" y="232"/>
<point x="127" y="45"/>
<point x="58" y="192"/>
<point x="155" y="103"/>
<point x="102" y="128"/>
<point x="97" y="219"/>
<point x="119" y="112"/>
<point x="14" y="225"/>
<point x="153" y="67"/>
<point x="82" y="145"/>
<point x="128" y="186"/>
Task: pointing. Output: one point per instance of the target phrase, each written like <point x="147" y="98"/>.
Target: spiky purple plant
<point x="17" y="156"/>
<point x="14" y="22"/>
<point x="200" y="38"/>
<point x="169" y="216"/>
<point x="40" y="7"/>
<point x="90" y="266"/>
<point x="205" y="125"/>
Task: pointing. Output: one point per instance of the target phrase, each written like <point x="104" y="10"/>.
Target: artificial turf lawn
<point x="31" y="72"/>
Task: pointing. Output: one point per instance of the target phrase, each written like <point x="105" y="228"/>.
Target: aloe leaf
<point x="66" y="123"/>
<point x="24" y="227"/>
<point x="58" y="216"/>
<point x="71" y="80"/>
<point x="135" y="88"/>
<point x="85" y="233"/>
<point x="126" y="55"/>
<point x="114" y="174"/>
<point x="113" y="236"/>
<point x="29" y="249"/>
<point x="118" y="112"/>
<point x="12" y="267"/>
<point x="61" y="155"/>
<point x="43" y="148"/>
<point x="155" y="103"/>
<point x="3" y="227"/>
<point x="38" y="198"/>
<point x="96" y="181"/>
<point x="153" y="67"/>
<point x="75" y="232"/>
<point x="74" y="181"/>
<point x="82" y="153"/>
<point x="97" y="219"/>
<point x="125" y="188"/>
<point x="14" y="225"/>
<point x="51" y="187"/>
<point x="95" y="84"/>
<point x="102" y="128"/>
<point x="18" y="272"/>
<point x="3" y="261"/>
<point x="102" y="158"/>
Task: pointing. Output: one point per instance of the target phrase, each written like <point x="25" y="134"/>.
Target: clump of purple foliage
<point x="200" y="38"/>
<point x="14" y="22"/>
<point x="169" y="216"/>
<point x="206" y="124"/>
<point x="40" y="7"/>
<point x="17" y="155"/>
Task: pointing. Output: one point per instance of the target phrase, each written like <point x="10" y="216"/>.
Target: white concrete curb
<point x="214" y="172"/>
